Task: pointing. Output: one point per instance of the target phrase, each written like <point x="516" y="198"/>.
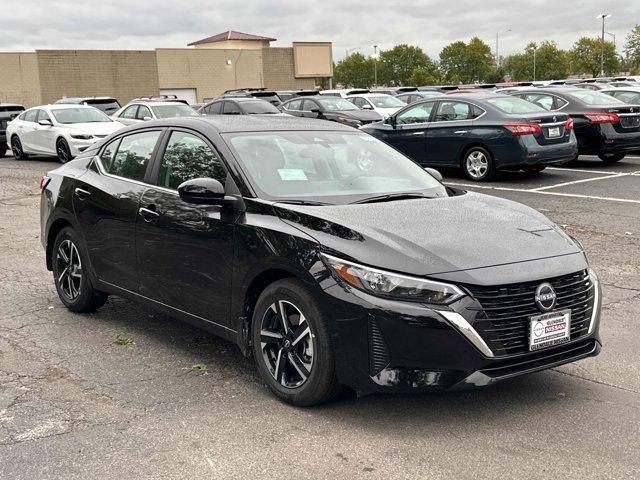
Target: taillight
<point x="44" y="181"/>
<point x="568" y="125"/>
<point x="602" y="117"/>
<point x="523" y="128"/>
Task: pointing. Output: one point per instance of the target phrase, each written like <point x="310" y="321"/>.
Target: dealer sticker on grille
<point x="549" y="329"/>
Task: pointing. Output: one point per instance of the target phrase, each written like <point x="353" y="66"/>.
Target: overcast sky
<point x="149" y="24"/>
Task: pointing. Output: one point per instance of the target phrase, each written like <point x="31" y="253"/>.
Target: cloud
<point x="149" y="24"/>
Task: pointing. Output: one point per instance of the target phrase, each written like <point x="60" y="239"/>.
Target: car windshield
<point x="591" y="97"/>
<point x="79" y="115"/>
<point x="514" y="105"/>
<point x="336" y="103"/>
<point x="174" y="110"/>
<point x="386" y="102"/>
<point x="328" y="167"/>
<point x="258" y="106"/>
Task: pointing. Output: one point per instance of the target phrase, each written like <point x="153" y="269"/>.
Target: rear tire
<point x="295" y="358"/>
<point x="478" y="165"/>
<point x="71" y="274"/>
<point x="611" y="157"/>
<point x="63" y="151"/>
<point x="16" y="148"/>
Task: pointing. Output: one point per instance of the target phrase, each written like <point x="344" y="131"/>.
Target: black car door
<point x="409" y="131"/>
<point x="105" y="202"/>
<point x="450" y="131"/>
<point x="185" y="251"/>
<point x="310" y="109"/>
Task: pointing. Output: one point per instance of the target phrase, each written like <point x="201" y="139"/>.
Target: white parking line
<point x="538" y="192"/>
<point x="564" y="184"/>
<point x="603" y="172"/>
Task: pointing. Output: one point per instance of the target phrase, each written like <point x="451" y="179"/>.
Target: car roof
<point x="622" y="89"/>
<point x="370" y="94"/>
<point x="63" y="106"/>
<point x="83" y="99"/>
<point x="251" y="123"/>
<point x="153" y="103"/>
<point x="11" y="105"/>
<point x="240" y="99"/>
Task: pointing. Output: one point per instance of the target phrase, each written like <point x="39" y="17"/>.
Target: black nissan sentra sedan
<point x="479" y="132"/>
<point x="331" y="108"/>
<point x="604" y="126"/>
<point x="327" y="255"/>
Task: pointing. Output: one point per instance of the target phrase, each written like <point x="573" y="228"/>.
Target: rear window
<point x="590" y="97"/>
<point x="514" y="105"/>
<point x="107" y="106"/>
<point x="11" y="108"/>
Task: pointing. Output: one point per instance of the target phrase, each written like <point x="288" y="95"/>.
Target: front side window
<point x="309" y="105"/>
<point x="214" y="108"/>
<point x="358" y="101"/>
<point x="293" y="105"/>
<point x="143" y="112"/>
<point x="590" y="97"/>
<point x="386" y="102"/>
<point x="129" y="112"/>
<point x="418" y="114"/>
<point x="68" y="116"/>
<point x="106" y="157"/>
<point x="231" y="108"/>
<point x="174" y="110"/>
<point x="328" y="167"/>
<point x="30" y="115"/>
<point x="133" y="155"/>
<point x="336" y="104"/>
<point x="42" y="115"/>
<point x="628" y="97"/>
<point x="187" y="157"/>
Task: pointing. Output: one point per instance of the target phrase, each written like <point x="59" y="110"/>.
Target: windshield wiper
<point x="391" y="196"/>
<point x="303" y="202"/>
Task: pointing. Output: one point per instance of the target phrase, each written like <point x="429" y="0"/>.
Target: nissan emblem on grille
<point x="545" y="297"/>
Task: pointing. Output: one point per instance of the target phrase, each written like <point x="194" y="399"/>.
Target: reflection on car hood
<point x="94" y="128"/>
<point x="432" y="236"/>
<point x="358" y="114"/>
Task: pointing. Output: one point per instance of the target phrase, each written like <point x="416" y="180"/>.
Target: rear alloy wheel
<point x="70" y="274"/>
<point x="611" y="157"/>
<point x="291" y="345"/>
<point x="16" y="148"/>
<point x="478" y="164"/>
<point x="63" y="150"/>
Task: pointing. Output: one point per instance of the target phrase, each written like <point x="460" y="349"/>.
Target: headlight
<point x="392" y="285"/>
<point x="81" y="136"/>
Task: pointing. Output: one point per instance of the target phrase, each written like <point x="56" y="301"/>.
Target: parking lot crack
<point x="598" y="382"/>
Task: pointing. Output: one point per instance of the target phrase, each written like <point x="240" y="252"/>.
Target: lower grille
<point x="503" y="322"/>
<point x="378" y="353"/>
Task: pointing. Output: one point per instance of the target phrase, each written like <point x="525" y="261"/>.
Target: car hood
<point x="366" y="115"/>
<point x="432" y="236"/>
<point x="94" y="128"/>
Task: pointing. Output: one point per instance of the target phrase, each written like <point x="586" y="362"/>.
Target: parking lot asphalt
<point x="130" y="393"/>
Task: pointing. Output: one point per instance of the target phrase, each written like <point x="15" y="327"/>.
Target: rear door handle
<point x="82" y="193"/>
<point x="147" y="214"/>
<point x="418" y="133"/>
<point x="461" y="132"/>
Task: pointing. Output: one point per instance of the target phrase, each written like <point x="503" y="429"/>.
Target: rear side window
<point x="187" y="157"/>
<point x="451" y="111"/>
<point x="628" y="97"/>
<point x="133" y="155"/>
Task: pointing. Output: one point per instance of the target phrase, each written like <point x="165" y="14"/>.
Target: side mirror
<point x="366" y="106"/>
<point x="45" y="123"/>
<point x="146" y="119"/>
<point x="434" y="173"/>
<point x="315" y="110"/>
<point x="203" y="191"/>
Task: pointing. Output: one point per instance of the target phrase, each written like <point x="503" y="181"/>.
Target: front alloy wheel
<point x="286" y="344"/>
<point x="63" y="151"/>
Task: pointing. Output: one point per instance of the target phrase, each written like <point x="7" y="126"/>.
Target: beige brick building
<point x="208" y="67"/>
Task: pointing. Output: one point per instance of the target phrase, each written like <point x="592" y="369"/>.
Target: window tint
<point x="544" y="101"/>
<point x="231" y="108"/>
<point x="594" y="98"/>
<point x="418" y="114"/>
<point x="628" y="97"/>
<point x="214" y="108"/>
<point x="358" y="101"/>
<point x="188" y="157"/>
<point x="450" y="111"/>
<point x="106" y="158"/>
<point x="143" y="112"/>
<point x="308" y="105"/>
<point x="133" y="155"/>
<point x="130" y="112"/>
<point x="293" y="105"/>
<point x="31" y="115"/>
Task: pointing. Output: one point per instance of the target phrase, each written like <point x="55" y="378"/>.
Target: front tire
<point x="16" y="148"/>
<point x="71" y="274"/>
<point x="611" y="157"/>
<point x="63" y="151"/>
<point x="291" y="345"/>
<point x="477" y="164"/>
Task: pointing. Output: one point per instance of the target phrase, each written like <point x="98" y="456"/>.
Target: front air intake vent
<point x="378" y="353"/>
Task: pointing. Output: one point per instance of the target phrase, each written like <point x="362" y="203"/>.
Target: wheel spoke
<point x="63" y="275"/>
<point x="63" y="254"/>
<point x="301" y="334"/>
<point x="269" y="338"/>
<point x="282" y="313"/>
<point x="298" y="365"/>
<point x="278" y="372"/>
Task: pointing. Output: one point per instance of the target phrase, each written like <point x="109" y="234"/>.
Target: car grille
<point x="378" y="353"/>
<point x="503" y="322"/>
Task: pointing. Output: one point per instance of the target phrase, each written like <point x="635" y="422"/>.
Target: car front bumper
<point x="77" y="146"/>
<point x="394" y="346"/>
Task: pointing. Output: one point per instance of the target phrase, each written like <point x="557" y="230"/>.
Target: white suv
<point x="381" y="103"/>
<point x="62" y="130"/>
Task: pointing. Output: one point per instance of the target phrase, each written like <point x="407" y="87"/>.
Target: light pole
<point x="497" y="51"/>
<point x="602" y="16"/>
<point x="375" y="65"/>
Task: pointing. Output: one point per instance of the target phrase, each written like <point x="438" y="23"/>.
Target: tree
<point x="585" y="57"/>
<point x="632" y="49"/>
<point x="470" y="62"/>
<point x="356" y="70"/>
<point x="397" y="65"/>
<point x="419" y="76"/>
<point x="551" y="63"/>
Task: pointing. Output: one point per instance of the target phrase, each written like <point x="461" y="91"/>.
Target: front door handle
<point x="418" y="133"/>
<point x="82" y="193"/>
<point x="460" y="132"/>
<point x="148" y="215"/>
